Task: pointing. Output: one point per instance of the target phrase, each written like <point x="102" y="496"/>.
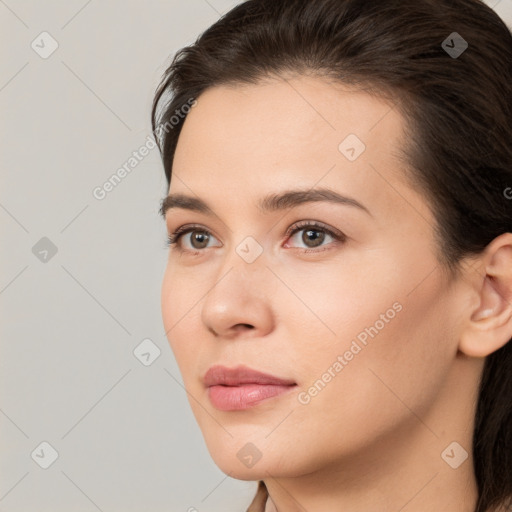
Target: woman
<point x="338" y="293"/>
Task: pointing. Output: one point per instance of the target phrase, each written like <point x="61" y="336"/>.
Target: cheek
<point x="180" y="309"/>
<point x="391" y="357"/>
<point x="332" y="304"/>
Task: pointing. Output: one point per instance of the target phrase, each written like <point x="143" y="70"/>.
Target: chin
<point x="243" y="461"/>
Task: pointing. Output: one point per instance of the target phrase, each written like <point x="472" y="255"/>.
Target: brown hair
<point x="458" y="109"/>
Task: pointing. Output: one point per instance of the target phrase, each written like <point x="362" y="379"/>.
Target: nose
<point x="239" y="301"/>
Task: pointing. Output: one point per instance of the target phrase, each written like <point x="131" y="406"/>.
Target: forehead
<point x="246" y="141"/>
<point x="287" y="120"/>
<point x="311" y="99"/>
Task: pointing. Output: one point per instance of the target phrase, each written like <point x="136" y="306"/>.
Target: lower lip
<point x="236" y="398"/>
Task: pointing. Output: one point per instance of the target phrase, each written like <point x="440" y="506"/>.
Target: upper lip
<point x="221" y="375"/>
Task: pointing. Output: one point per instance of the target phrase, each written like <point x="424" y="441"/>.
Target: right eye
<point x="200" y="237"/>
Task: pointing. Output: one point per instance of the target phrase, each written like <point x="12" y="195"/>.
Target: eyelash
<point x="174" y="237"/>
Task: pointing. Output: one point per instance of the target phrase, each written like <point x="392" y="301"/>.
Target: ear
<point x="489" y="323"/>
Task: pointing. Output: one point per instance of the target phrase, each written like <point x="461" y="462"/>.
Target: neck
<point x="420" y="481"/>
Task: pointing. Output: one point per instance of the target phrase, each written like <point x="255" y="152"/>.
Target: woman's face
<point x="362" y="322"/>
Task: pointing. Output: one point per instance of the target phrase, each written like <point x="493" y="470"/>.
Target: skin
<point x="372" y="438"/>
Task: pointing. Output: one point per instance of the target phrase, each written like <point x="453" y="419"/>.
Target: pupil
<point x="200" y="237"/>
<point x="310" y="233"/>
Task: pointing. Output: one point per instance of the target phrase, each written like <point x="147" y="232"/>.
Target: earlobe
<point x="489" y="326"/>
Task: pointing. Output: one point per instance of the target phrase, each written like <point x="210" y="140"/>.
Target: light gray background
<point x="125" y="436"/>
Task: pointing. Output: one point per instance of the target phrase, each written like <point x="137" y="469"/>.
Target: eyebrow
<point x="270" y="203"/>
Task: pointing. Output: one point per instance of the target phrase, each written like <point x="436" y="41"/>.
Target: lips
<point x="242" y="387"/>
<point x="220" y="375"/>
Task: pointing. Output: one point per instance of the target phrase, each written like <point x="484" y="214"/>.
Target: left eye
<point x="314" y="235"/>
